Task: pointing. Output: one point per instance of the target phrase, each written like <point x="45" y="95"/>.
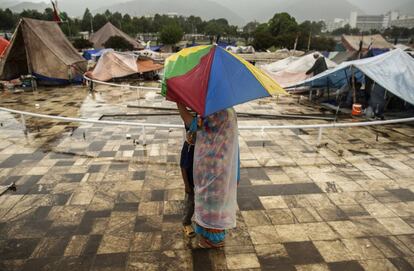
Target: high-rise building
<point x="370" y="22"/>
<point x="374" y="22"/>
<point x="353" y="19"/>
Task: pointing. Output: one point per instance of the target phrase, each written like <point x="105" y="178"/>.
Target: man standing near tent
<point x="319" y="66"/>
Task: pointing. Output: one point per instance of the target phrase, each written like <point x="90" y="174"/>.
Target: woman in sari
<point x="216" y="171"/>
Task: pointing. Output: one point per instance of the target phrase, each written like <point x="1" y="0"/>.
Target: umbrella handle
<point x="193" y="125"/>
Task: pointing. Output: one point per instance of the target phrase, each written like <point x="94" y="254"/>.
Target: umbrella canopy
<point x="209" y="79"/>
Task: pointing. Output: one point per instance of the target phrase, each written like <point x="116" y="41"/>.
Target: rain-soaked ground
<point x="89" y="198"/>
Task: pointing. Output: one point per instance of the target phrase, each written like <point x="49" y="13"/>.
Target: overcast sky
<point x="374" y="5"/>
<point x="238" y="11"/>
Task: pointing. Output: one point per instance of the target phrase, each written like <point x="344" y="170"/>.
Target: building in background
<point x="403" y="21"/>
<point x="353" y="19"/>
<point x="380" y="22"/>
<point x="370" y="22"/>
<point x="389" y="17"/>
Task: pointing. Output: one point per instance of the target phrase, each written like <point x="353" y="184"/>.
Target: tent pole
<point x="353" y="85"/>
<point x="329" y="89"/>
<point x="29" y="62"/>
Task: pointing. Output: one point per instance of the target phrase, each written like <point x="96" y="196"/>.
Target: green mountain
<point x="206" y="9"/>
<point x="19" y="7"/>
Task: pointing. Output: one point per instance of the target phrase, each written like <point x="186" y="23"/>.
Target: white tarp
<point x="280" y="65"/>
<point x="241" y="49"/>
<point x="403" y="47"/>
<point x="394" y="71"/>
<point x="149" y="53"/>
<point x="295" y="70"/>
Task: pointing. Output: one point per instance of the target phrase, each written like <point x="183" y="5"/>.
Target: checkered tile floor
<point x="89" y="199"/>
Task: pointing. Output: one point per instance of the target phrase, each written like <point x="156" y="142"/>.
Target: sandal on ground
<point x="204" y="243"/>
<point x="189" y="231"/>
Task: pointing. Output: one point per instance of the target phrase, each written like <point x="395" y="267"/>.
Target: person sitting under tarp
<point x="377" y="101"/>
<point x="319" y="66"/>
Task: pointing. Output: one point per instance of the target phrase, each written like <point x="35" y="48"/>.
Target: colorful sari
<point x="215" y="175"/>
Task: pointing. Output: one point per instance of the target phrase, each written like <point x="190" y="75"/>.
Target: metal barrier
<point x="172" y="126"/>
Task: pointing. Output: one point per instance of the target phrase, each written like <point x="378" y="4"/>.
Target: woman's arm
<point x="185" y="114"/>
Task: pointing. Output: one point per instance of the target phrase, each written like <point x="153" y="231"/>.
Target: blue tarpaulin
<point x="44" y="80"/>
<point x="87" y="54"/>
<point x="375" y="52"/>
<point x="394" y="71"/>
<point x="155" y="48"/>
<point x="224" y="45"/>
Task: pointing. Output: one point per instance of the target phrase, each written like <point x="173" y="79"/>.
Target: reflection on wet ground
<point x="89" y="198"/>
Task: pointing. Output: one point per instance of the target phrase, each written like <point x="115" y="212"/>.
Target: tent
<point x="403" y="47"/>
<point x="109" y="30"/>
<point x="342" y="56"/>
<point x="394" y="71"/>
<point x="3" y="45"/>
<point x="40" y="48"/>
<point x="115" y="64"/>
<point x="352" y="43"/>
<point x="294" y="71"/>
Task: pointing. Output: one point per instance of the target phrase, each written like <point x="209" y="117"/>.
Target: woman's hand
<point x="185" y="114"/>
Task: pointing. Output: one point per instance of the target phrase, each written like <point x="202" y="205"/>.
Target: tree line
<point x="281" y="31"/>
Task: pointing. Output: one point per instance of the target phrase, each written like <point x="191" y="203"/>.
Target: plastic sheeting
<point x="394" y="71"/>
<point x="295" y="71"/>
<point x="87" y="54"/>
<point x="241" y="49"/>
<point x="280" y="65"/>
<point x="149" y="53"/>
<point x="215" y="171"/>
<point x="113" y="64"/>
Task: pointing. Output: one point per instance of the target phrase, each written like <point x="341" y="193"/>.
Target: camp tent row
<point x="394" y="71"/>
<point x="41" y="48"/>
<point x="352" y="43"/>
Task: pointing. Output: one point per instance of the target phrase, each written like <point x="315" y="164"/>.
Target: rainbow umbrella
<point x="208" y="79"/>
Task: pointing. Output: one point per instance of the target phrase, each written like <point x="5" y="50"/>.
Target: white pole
<point x="23" y="123"/>
<point x="319" y="136"/>
<point x="144" y="141"/>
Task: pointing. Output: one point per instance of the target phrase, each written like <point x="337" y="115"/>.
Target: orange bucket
<point x="356" y="109"/>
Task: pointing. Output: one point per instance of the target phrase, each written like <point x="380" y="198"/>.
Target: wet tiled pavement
<point x="88" y="198"/>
